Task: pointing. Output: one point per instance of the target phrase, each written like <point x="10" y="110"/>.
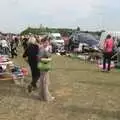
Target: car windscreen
<point x="57" y="38"/>
<point x="91" y="42"/>
<point x="86" y="38"/>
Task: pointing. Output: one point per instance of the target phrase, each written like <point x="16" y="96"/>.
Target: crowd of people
<point x="9" y="45"/>
<point x="37" y="48"/>
<point x="37" y="53"/>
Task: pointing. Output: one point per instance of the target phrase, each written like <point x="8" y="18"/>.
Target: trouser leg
<point x="15" y="53"/>
<point x="35" y="78"/>
<point x="118" y="58"/>
<point x="104" y="61"/>
<point x="109" y="61"/>
<point x="41" y="92"/>
<point x="12" y="54"/>
<point x="44" y="86"/>
<point x="35" y="74"/>
<point x="3" y="50"/>
<point x="47" y="95"/>
<point x="34" y="81"/>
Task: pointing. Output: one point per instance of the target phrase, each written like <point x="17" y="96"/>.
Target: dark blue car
<point x="86" y="40"/>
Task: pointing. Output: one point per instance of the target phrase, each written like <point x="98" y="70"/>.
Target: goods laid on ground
<point x="10" y="71"/>
<point x="101" y="65"/>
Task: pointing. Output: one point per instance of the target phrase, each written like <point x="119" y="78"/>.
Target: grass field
<point x="82" y="93"/>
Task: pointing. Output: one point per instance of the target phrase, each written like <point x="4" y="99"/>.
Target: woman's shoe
<point x="103" y="70"/>
<point x="29" y="88"/>
<point x="51" y="99"/>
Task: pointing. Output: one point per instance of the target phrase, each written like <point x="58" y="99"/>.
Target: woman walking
<point x="32" y="53"/>
<point x="45" y="58"/>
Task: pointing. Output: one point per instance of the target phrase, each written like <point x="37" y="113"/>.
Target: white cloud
<point x="17" y="14"/>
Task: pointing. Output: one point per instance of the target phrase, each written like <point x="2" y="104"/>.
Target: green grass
<point x="82" y="93"/>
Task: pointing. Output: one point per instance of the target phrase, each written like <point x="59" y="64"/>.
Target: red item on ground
<point x="24" y="71"/>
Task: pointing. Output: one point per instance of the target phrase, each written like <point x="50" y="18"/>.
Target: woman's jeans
<point x="107" y="59"/>
<point x="35" y="73"/>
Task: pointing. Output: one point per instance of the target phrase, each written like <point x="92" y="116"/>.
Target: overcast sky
<point x="15" y="15"/>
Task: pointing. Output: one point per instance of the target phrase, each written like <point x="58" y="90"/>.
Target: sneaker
<point x="107" y="71"/>
<point x="29" y="88"/>
<point x="34" y="88"/>
<point x="39" y="98"/>
<point x="103" y="70"/>
<point x="51" y="99"/>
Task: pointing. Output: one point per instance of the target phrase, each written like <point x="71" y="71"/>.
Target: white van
<point x="114" y="34"/>
<point x="56" y="38"/>
<point x="57" y="42"/>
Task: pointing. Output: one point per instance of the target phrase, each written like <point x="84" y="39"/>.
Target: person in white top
<point x="5" y="47"/>
<point x="3" y="43"/>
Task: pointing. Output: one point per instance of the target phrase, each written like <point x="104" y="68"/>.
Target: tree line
<point x="62" y="31"/>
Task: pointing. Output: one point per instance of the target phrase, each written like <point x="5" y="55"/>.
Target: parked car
<point x="57" y="42"/>
<point x="84" y="42"/>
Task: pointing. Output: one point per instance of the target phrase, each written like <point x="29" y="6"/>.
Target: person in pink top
<point x="108" y="52"/>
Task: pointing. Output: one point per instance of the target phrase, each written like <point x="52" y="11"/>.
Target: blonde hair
<point x="32" y="40"/>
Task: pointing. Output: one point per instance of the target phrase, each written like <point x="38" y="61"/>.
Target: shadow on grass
<point x="100" y="83"/>
<point x="100" y="112"/>
<point x="96" y="70"/>
<point x="22" y="94"/>
<point x="74" y="69"/>
<point x="10" y="89"/>
<point x="17" y="91"/>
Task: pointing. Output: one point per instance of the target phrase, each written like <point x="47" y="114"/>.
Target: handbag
<point x="44" y="66"/>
